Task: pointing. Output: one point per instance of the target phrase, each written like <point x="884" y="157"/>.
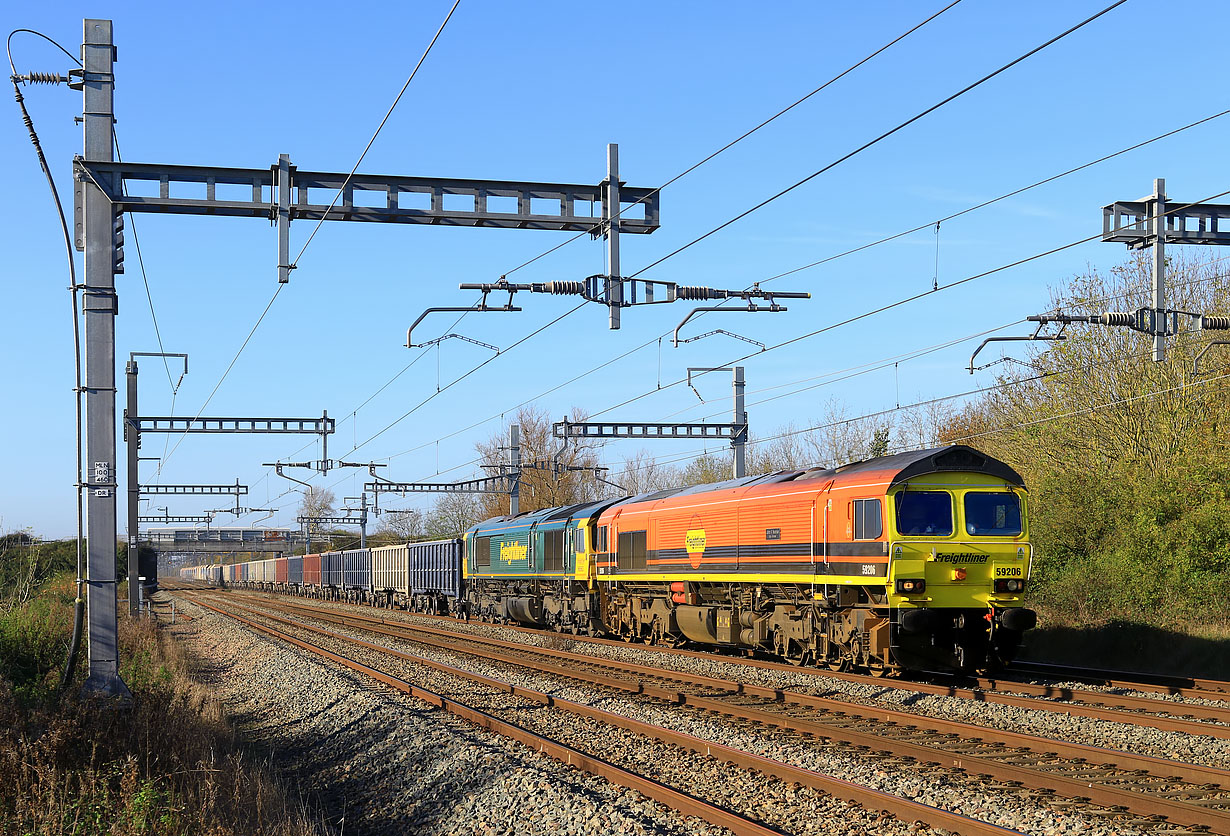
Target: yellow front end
<point x="959" y="564"/>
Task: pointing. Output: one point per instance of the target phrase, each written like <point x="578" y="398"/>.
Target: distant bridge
<point x="222" y="540"/>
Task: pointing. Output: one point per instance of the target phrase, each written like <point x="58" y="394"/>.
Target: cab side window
<point x="868" y="519"/>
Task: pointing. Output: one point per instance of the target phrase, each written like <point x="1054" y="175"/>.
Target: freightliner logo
<point x="961" y="557"/>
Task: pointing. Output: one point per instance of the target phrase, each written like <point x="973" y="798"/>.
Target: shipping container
<point x="389" y="569"/>
<point x="311" y="569"/>
<point x="294" y="571"/>
<point x="280" y="570"/>
<point x="435" y="568"/>
<point x="357" y="569"/>
<point x="331" y="569"/>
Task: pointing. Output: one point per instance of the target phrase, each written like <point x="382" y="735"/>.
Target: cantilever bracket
<point x="705" y="370"/>
<point x="277" y="468"/>
<point x="481" y="307"/>
<point x="133" y="355"/>
<point x="1204" y="351"/>
<point x="751" y="308"/>
<point x="1036" y="335"/>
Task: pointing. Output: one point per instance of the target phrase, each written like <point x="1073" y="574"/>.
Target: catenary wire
<point x="869" y="245"/>
<point x="881" y="137"/>
<point x="883" y="364"/>
<point x="904" y="301"/>
<point x="852" y="371"/>
<point x="842" y="159"/>
<point x="832" y="165"/>
<point x="677" y="382"/>
<point x="294" y="263"/>
<point x="866" y="368"/>
<point x="998" y="386"/>
<point x="994" y="200"/>
<point x="618" y="212"/>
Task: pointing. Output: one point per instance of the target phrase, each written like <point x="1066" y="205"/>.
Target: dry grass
<point x="169" y="764"/>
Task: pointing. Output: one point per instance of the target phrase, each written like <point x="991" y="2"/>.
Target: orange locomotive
<point x="916" y="560"/>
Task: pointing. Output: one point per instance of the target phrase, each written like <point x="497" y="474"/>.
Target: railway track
<point x="1158" y="713"/>
<point x="1014" y="692"/>
<point x="1178" y="686"/>
<point x="677" y="798"/>
<point x="1189" y="795"/>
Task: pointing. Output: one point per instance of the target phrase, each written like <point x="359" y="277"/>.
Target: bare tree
<point x="641" y="473"/>
<point x="705" y="469"/>
<point x="788" y="451"/>
<point x="921" y="427"/>
<point x="402" y="526"/>
<point x="452" y="514"/>
<point x="840" y="439"/>
<point x="317" y="502"/>
<point x="549" y="477"/>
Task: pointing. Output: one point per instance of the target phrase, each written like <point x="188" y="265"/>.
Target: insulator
<point x="694" y="292"/>
<point x="1215" y="323"/>
<point x="564" y="288"/>
<point x="45" y="78"/>
<point x="1117" y="318"/>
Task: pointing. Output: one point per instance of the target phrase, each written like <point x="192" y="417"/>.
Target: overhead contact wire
<point x="379" y="127"/>
<point x="618" y="212"/>
<point x="882" y="136"/>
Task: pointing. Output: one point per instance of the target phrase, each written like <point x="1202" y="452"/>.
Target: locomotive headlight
<point x="958" y="574"/>
<point x="911" y="586"/>
<point x="1009" y="585"/>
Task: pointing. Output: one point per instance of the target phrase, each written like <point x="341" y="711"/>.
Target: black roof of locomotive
<point x="957" y="457"/>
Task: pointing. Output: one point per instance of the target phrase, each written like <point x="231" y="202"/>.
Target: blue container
<point x="435" y="568"/>
<point x="294" y="570"/>
<point x="331" y="569"/>
<point x="357" y="569"/>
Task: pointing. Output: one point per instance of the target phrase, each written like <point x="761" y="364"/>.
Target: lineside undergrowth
<point x="168" y="764"/>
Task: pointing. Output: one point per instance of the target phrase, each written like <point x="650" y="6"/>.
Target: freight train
<point x="913" y="561"/>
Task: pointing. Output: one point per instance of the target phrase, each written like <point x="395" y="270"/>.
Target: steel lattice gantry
<point x="104" y="189"/>
<point x="193" y="490"/>
<point x="282" y="193"/>
<point x="736" y="432"/>
<point x="633" y="429"/>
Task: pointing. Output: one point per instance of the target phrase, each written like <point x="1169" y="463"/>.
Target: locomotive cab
<point x="959" y="564"/>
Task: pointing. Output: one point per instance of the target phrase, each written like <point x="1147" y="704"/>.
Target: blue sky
<point x="535" y="91"/>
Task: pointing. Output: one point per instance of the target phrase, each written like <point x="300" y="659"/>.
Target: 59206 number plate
<point x="1009" y="572"/>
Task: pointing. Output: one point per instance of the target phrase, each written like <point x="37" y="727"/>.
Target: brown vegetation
<point x="168" y="764"/>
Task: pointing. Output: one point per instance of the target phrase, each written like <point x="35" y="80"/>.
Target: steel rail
<point x="1113" y="710"/>
<point x="1179" y="686"/>
<point x="985" y="688"/>
<point x="993" y="690"/>
<point x="967" y="758"/>
<point x="903" y="809"/>
<point x="1162" y="767"/>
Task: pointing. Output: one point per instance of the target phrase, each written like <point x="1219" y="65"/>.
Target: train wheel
<point x="838" y="663"/>
<point x="877" y="668"/>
